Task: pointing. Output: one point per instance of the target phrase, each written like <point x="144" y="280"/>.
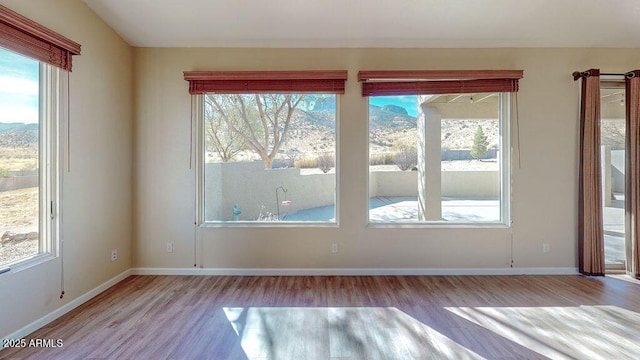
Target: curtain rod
<point x="579" y="74"/>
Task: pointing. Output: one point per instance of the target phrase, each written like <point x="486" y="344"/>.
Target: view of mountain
<point x="390" y="116"/>
<point x="18" y="135"/>
<point x="390" y="124"/>
<point x="312" y="130"/>
<point x="17" y="127"/>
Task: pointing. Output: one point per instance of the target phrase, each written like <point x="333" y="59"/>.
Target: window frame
<point x="199" y="148"/>
<point x="612" y="83"/>
<point x="52" y="116"/>
<point x="505" y="104"/>
<point x="54" y="53"/>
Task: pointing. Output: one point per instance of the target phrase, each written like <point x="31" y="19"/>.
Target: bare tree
<point x="326" y="161"/>
<point x="261" y="120"/>
<point x="292" y="156"/>
<point x="406" y="158"/>
<point x="220" y="138"/>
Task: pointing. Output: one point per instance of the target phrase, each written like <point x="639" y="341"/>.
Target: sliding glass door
<point x="612" y="125"/>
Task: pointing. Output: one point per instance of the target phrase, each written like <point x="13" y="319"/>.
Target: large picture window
<point x="33" y="99"/>
<point x="269" y="157"/>
<point x="437" y="155"/>
<point x="28" y="158"/>
<point x="268" y="147"/>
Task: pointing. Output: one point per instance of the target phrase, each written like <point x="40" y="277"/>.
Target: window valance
<point x="28" y="38"/>
<point x="424" y="82"/>
<point x="242" y="82"/>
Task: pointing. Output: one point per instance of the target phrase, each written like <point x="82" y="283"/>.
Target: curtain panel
<point x="590" y="228"/>
<point x="28" y="38"/>
<point x="251" y="82"/>
<point x="632" y="178"/>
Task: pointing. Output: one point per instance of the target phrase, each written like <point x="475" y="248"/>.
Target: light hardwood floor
<point x="351" y="317"/>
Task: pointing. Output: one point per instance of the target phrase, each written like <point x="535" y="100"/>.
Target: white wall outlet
<point x="334" y="248"/>
<point x="545" y="248"/>
<point x="114" y="255"/>
<point x="169" y="247"/>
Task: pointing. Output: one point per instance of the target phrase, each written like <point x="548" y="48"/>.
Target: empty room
<point x="295" y="179"/>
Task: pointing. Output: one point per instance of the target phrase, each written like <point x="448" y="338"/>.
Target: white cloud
<point x="22" y="114"/>
<point x="12" y="85"/>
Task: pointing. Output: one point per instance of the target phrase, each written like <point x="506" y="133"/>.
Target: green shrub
<point x="326" y="161"/>
<point x="406" y="158"/>
<point x="5" y="173"/>
<point x="480" y="144"/>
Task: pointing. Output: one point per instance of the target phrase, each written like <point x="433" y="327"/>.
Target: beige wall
<point x="544" y="185"/>
<point x="97" y="192"/>
<point x="100" y="213"/>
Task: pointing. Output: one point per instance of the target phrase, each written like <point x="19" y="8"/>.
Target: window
<point x="27" y="158"/>
<point x="439" y="149"/>
<point x="33" y="95"/>
<point x="613" y="154"/>
<point x="268" y="147"/>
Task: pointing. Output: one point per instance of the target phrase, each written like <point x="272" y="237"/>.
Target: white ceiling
<point x="373" y="23"/>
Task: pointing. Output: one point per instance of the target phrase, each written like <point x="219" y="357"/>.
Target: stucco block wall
<point x="253" y="189"/>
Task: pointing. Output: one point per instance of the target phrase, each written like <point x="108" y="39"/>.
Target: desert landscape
<point x="18" y="207"/>
<point x="312" y="132"/>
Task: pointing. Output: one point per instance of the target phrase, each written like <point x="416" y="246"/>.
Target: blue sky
<point x="18" y="88"/>
<point x="409" y="102"/>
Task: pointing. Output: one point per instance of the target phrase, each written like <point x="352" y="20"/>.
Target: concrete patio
<point x="395" y="209"/>
<point x="614" y="231"/>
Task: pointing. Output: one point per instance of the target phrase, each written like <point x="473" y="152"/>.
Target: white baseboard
<point x="21" y="333"/>
<point x="354" y="271"/>
<point x="39" y="323"/>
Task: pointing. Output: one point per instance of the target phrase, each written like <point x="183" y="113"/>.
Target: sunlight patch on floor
<point x="612" y="330"/>
<point x="343" y="332"/>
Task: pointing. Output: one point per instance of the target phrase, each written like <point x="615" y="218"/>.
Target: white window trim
<point x="55" y="118"/>
<point x="612" y="268"/>
<point x="53" y="115"/>
<point x="505" y="104"/>
<point x="198" y="146"/>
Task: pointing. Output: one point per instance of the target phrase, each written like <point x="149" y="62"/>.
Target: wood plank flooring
<point x="350" y="317"/>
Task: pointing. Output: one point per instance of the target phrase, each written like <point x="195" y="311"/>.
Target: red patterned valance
<point x="26" y="37"/>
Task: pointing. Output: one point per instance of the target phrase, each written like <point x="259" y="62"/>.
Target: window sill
<point x="437" y="225"/>
<point x="27" y="264"/>
<point x="271" y="224"/>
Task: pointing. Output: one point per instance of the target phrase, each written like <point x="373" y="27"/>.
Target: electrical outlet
<point x="114" y="255"/>
<point x="334" y="248"/>
<point x="545" y="248"/>
<point x="169" y="247"/>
